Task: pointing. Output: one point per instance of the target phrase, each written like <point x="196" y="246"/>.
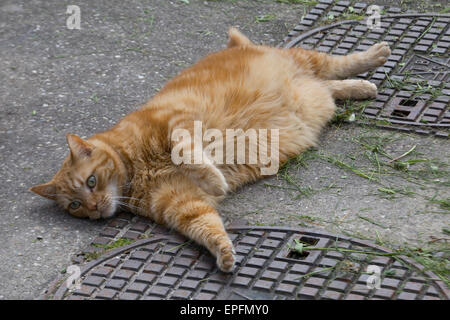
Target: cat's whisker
<point x="126" y="185"/>
<point x="123" y="197"/>
<point x="127" y="205"/>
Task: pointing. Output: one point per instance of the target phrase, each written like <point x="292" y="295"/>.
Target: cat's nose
<point x="92" y="206"/>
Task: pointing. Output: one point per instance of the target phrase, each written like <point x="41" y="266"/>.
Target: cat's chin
<point x="108" y="215"/>
<point x="110" y="211"/>
<point x="102" y="215"/>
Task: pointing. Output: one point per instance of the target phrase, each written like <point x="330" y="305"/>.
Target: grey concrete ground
<point x="56" y="80"/>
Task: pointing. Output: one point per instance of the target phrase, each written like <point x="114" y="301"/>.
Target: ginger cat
<point x="245" y="86"/>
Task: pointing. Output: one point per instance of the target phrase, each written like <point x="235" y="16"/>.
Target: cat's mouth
<point x="101" y="214"/>
<point x="106" y="209"/>
<point x="109" y="204"/>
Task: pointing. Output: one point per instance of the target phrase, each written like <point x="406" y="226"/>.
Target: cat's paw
<point x="378" y="53"/>
<point x="215" y="182"/>
<point x="218" y="190"/>
<point x="367" y="90"/>
<point x="218" y="186"/>
<point x="226" y="259"/>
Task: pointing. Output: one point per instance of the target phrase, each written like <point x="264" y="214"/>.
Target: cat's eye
<point x="75" y="205"/>
<point x="91" y="181"/>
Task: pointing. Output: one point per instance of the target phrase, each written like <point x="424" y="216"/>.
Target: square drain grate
<point x="414" y="88"/>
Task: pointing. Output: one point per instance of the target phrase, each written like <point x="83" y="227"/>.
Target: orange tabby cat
<point x="245" y="86"/>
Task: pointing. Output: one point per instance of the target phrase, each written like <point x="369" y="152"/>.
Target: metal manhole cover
<point x="170" y="267"/>
<point x="414" y="91"/>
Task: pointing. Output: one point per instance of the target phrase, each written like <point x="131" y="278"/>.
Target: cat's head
<point x="89" y="182"/>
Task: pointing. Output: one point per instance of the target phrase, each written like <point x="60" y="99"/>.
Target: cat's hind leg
<point x="315" y="106"/>
<point x="331" y="67"/>
<point x="351" y="89"/>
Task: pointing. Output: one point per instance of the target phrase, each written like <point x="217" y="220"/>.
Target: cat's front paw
<point x="226" y="259"/>
<point x="217" y="184"/>
<point x="218" y="189"/>
<point x="214" y="185"/>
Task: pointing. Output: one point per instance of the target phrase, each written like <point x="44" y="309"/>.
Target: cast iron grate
<point x="414" y="91"/>
<point x="167" y="266"/>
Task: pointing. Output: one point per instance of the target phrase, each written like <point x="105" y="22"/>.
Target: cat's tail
<point x="236" y="39"/>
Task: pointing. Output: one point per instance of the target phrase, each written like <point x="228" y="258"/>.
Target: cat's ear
<point x="46" y="190"/>
<point x="78" y="147"/>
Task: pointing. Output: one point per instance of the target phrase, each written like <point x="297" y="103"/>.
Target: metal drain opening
<point x="308" y="240"/>
<point x="401" y="113"/>
<point x="301" y="255"/>
<point x="408" y="103"/>
<point x="293" y="254"/>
